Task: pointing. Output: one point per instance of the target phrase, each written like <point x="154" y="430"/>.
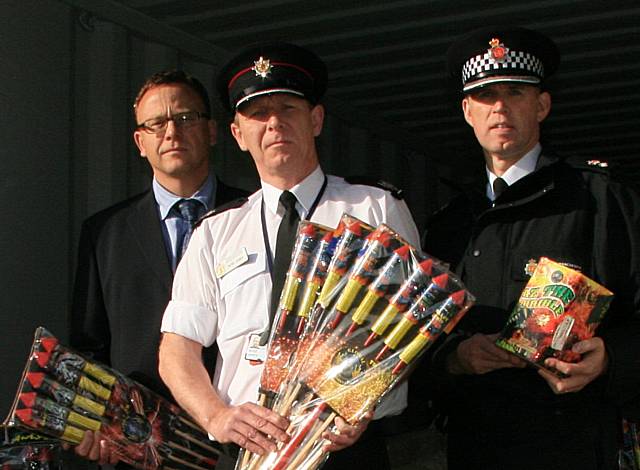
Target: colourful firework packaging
<point x="558" y="307"/>
<point x="28" y="450"/>
<point x="62" y="395"/>
<point x="382" y="305"/>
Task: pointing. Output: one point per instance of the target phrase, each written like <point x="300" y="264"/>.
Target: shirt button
<point x="476" y="253"/>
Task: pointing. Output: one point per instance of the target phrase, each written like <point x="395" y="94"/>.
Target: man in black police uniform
<point x="503" y="414"/>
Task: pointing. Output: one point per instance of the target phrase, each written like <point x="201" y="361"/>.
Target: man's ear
<point x="317" y="119"/>
<point x="237" y="134"/>
<point x="465" y="111"/>
<point x="544" y="105"/>
<point x="137" y="138"/>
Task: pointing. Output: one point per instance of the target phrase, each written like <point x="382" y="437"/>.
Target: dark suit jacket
<point x="123" y="284"/>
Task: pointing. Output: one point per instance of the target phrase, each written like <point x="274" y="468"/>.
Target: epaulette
<point x="222" y="208"/>
<point x="589" y="164"/>
<point x="367" y="181"/>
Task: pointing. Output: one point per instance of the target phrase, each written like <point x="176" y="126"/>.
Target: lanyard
<point x="265" y="236"/>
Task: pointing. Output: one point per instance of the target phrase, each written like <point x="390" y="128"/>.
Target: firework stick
<point x="401" y="301"/>
<point x="283" y="409"/>
<point x="302" y="453"/>
<point x="315" y="278"/>
<point x="197" y="442"/>
<point x="427" y="299"/>
<point x="352" y="235"/>
<point x="61" y="354"/>
<point x="185" y="463"/>
<point x="247" y="455"/>
<point x="297" y="438"/>
<point x="443" y="319"/>
<point x="191" y="424"/>
<point x="186" y="450"/>
<point x="376" y="253"/>
<point x="63" y="395"/>
<point x="32" y="400"/>
<point x="50" y="425"/>
<point x="308" y="237"/>
<point x="386" y="278"/>
<point x="314" y="459"/>
<point x="70" y="375"/>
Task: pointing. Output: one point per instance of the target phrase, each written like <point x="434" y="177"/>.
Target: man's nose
<point x="274" y="120"/>
<point x="170" y="130"/>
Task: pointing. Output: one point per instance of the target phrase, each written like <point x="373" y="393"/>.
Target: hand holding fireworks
<point x="379" y="308"/>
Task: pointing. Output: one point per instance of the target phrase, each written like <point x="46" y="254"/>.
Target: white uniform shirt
<point x="229" y="309"/>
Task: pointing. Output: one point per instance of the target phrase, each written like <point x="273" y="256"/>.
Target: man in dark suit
<point x="128" y="252"/>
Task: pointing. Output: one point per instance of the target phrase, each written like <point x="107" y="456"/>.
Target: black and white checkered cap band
<point x="514" y="62"/>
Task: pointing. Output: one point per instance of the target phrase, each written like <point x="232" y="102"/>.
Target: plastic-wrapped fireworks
<point x="28" y="450"/>
<point x="557" y="308"/>
<point x="62" y="395"/>
<point x="382" y="304"/>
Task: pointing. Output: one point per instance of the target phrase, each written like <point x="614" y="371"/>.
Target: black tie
<point x="499" y="185"/>
<point x="284" y="245"/>
<point x="190" y="210"/>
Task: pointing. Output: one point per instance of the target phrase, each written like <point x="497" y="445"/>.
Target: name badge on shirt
<point x="232" y="262"/>
<point x="256" y="354"/>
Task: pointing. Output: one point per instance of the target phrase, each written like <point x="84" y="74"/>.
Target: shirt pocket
<point x="244" y="298"/>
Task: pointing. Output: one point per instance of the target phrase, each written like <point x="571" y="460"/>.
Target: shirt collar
<point x="305" y="192"/>
<point x="517" y="171"/>
<point x="166" y="199"/>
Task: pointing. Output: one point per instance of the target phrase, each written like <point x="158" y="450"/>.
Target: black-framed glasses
<point x="159" y="125"/>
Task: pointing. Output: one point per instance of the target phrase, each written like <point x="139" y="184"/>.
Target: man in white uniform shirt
<point x="274" y="92"/>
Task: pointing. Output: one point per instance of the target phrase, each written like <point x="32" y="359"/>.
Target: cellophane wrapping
<point x="558" y="307"/>
<point x="27" y="450"/>
<point x="379" y="305"/>
<point x="62" y="394"/>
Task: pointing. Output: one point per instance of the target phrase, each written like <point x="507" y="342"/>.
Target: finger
<point x="587" y="345"/>
<point x="83" y="448"/>
<point x="256" y="443"/>
<point x="94" y="452"/>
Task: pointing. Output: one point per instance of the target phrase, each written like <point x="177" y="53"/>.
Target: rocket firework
<point x="402" y="299"/>
<point x="389" y="277"/>
<point x="443" y="319"/>
<point x="381" y="242"/>
<point x="308" y="237"/>
<point x="316" y="277"/>
<point x="431" y="295"/>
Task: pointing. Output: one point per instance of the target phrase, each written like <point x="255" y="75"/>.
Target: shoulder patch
<point x="589" y="164"/>
<point x="222" y="208"/>
<point x="367" y="181"/>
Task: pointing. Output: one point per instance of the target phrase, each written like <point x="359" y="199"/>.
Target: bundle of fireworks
<point x="558" y="307"/>
<point x="371" y="304"/>
<point x="62" y="395"/>
<point x="28" y="450"/>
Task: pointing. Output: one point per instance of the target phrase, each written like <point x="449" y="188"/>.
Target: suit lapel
<point x="144" y="221"/>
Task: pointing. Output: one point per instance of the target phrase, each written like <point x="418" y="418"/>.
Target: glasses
<point x="184" y="120"/>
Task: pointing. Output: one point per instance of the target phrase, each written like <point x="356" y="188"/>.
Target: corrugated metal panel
<point x="387" y="68"/>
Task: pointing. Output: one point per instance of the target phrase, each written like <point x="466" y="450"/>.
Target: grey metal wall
<point x="67" y="81"/>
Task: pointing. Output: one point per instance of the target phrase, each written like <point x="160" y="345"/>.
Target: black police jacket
<point x="572" y="213"/>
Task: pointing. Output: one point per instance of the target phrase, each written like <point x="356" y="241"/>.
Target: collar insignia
<point x="530" y="267"/>
<point x="497" y="51"/>
<point x="262" y="67"/>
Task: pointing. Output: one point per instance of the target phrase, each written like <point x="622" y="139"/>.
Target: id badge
<point x="256" y="354"/>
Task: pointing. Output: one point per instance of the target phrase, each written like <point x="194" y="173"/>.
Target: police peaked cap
<point x="271" y="68"/>
<point x="502" y="54"/>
